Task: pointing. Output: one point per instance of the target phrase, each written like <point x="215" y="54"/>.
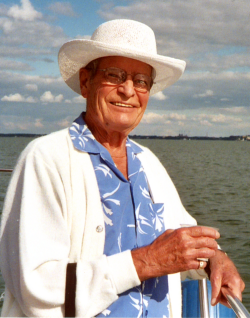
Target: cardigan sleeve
<point x="36" y="242"/>
<point x="34" y="238"/>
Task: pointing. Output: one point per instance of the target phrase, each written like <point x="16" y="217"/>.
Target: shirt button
<point x="99" y="229"/>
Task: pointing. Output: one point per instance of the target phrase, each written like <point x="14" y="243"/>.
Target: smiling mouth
<point x="122" y="105"/>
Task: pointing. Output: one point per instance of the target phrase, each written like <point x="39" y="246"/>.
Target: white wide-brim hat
<point x="120" y="37"/>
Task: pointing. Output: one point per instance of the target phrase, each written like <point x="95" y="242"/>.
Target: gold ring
<point x="201" y="265"/>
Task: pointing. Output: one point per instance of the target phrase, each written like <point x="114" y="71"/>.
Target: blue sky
<point x="211" y="98"/>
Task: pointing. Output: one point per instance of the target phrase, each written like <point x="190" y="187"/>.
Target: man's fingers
<point x="216" y="286"/>
<point x="237" y="288"/>
<point x="197" y="231"/>
<point x="206" y="242"/>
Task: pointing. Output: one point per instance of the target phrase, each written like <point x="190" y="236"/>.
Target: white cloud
<point x="236" y="110"/>
<point x="30" y="99"/>
<point x="13" y="98"/>
<point x="14" y="65"/>
<point x="24" y="12"/>
<point x="6" y="25"/>
<point x="38" y="123"/>
<point x="31" y="87"/>
<point x="206" y="75"/>
<point x="79" y="100"/>
<point x="208" y="93"/>
<point x="206" y="123"/>
<point x="64" y="123"/>
<point x="18" y="98"/>
<point x="159" y="96"/>
<point x="59" y="98"/>
<point x="193" y="24"/>
<point x="216" y="119"/>
<point x="48" y="97"/>
<point x="21" y="124"/>
<point x="11" y="81"/>
<point x="198" y="31"/>
<point x="36" y="35"/>
<point x="154" y="118"/>
<point x="25" y="32"/>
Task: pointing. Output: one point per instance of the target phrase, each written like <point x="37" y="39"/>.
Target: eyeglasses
<point x="117" y="76"/>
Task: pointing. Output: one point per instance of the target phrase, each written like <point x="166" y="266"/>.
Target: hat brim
<point x="76" y="54"/>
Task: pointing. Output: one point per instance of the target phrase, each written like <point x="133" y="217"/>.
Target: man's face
<point x="116" y="108"/>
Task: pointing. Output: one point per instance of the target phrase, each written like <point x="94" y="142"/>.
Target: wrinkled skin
<point x="224" y="274"/>
<point x="177" y="250"/>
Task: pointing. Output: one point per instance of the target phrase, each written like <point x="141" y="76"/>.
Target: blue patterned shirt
<point x="131" y="220"/>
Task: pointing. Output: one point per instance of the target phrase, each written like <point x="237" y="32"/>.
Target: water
<point x="212" y="178"/>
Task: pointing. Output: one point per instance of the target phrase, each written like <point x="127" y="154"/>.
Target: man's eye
<point x="114" y="75"/>
<point x="141" y="82"/>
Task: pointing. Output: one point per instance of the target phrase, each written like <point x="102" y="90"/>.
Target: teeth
<point x="123" y="105"/>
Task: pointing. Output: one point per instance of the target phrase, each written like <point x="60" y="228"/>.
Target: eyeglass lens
<point x="118" y="76"/>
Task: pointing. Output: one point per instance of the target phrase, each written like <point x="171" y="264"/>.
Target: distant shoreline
<point x="22" y="135"/>
<point x="179" y="137"/>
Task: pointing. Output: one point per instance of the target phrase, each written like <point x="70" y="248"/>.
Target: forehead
<point x="125" y="63"/>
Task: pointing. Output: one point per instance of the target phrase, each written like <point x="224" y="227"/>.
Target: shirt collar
<point x="135" y="148"/>
<point x="83" y="139"/>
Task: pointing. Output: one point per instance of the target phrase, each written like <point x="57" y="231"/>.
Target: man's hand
<point x="224" y="274"/>
<point x="175" y="251"/>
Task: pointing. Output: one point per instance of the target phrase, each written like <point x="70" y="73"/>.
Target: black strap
<point x="70" y="291"/>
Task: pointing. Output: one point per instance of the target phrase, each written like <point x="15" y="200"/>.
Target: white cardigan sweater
<point x="51" y="215"/>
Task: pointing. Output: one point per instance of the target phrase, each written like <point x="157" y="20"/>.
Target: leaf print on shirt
<point x="156" y="211"/>
<point x="79" y="133"/>
<point x="107" y="220"/>
<point x="138" y="303"/>
<point x="132" y="174"/>
<point x="107" y="210"/>
<point x="106" y="195"/>
<point x="141" y="220"/>
<point x="120" y="242"/>
<point x="106" y="312"/>
<point x="105" y="169"/>
<point x="145" y="193"/>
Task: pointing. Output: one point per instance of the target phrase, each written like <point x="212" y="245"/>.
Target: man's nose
<point x="127" y="87"/>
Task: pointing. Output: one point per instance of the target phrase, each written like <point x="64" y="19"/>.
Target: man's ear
<point x="84" y="78"/>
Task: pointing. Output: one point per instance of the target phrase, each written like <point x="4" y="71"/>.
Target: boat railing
<point x="6" y="170"/>
<point x="233" y="301"/>
<point x="203" y="293"/>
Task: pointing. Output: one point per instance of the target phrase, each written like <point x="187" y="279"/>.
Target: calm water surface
<point x="212" y="178"/>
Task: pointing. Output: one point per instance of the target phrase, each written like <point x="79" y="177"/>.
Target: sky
<point x="210" y="99"/>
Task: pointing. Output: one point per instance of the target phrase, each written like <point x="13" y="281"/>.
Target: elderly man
<point x="94" y="214"/>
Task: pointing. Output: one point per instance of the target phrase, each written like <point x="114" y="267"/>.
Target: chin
<point x="122" y="127"/>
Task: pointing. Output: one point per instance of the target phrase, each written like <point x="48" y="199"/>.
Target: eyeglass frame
<point x="126" y="76"/>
